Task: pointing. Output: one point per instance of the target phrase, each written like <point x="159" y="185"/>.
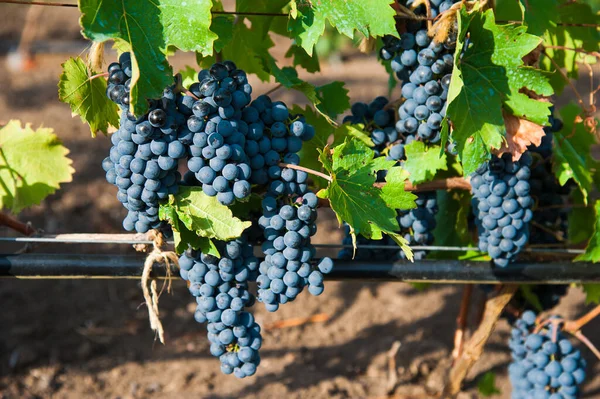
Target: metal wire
<point x="130" y="239"/>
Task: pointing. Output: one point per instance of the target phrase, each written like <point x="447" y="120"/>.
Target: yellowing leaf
<point x="32" y="165"/>
<point x="520" y="133"/>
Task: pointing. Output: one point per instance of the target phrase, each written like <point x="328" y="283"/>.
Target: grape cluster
<point x="545" y="364"/>
<point x="416" y="225"/>
<point x="217" y="156"/>
<point x="288" y="222"/>
<point x="424" y="66"/>
<point x="145" y="151"/>
<point x="220" y="286"/>
<point x="502" y="206"/>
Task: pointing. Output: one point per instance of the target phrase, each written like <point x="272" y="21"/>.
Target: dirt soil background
<point x="91" y="338"/>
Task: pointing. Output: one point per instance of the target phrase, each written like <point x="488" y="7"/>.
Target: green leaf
<point x="580" y="219"/>
<point x="249" y="48"/>
<point x="261" y="23"/>
<point x="351" y="193"/>
<point x="189" y="75"/>
<point x="150" y="27"/>
<point x="423" y="162"/>
<point x="487" y="384"/>
<point x="592" y="292"/>
<point x="592" y="251"/>
<point x="288" y="77"/>
<point x="351" y="130"/>
<point x="222" y="25"/>
<point x="561" y="42"/>
<point x="309" y="154"/>
<point x="369" y="17"/>
<point x="540" y="15"/>
<point x="333" y="99"/>
<point x="301" y="58"/>
<point x="531" y="297"/>
<point x="32" y="165"/>
<point x="87" y="97"/>
<point x="488" y="76"/>
<point x="393" y="192"/>
<point x="572" y="159"/>
<point x="452" y="222"/>
<point x="182" y="236"/>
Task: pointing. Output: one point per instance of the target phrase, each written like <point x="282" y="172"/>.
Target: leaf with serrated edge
<point x="150" y="27"/>
<point x="540" y="15"/>
<point x="206" y="215"/>
<point x="301" y="58"/>
<point x="487" y="76"/>
<point x="393" y="192"/>
<point x="182" y="236"/>
<point x="87" y="97"/>
<point x="351" y="193"/>
<point x="592" y="250"/>
<point x="572" y="159"/>
<point x="333" y="99"/>
<point x="188" y="76"/>
<point x="592" y="292"/>
<point x="33" y="164"/>
<point x="422" y="162"/>
<point x="581" y="219"/>
<point x="370" y="17"/>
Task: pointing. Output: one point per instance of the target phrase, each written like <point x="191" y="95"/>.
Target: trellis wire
<point x="129" y="239"/>
<point x="269" y="14"/>
<point x="113" y="266"/>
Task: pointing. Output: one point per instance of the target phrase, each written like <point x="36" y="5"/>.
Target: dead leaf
<point x="520" y="133"/>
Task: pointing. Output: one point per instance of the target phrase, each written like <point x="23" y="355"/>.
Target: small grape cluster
<point x="220" y="286"/>
<point x="502" y="206"/>
<point x="416" y="225"/>
<point x="145" y="151"/>
<point x="288" y="222"/>
<point x="424" y="66"/>
<point x="545" y="364"/>
<point x="214" y="118"/>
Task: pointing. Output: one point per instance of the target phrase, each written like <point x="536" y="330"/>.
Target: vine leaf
<point x="488" y="76"/>
<point x="520" y="134"/>
<point x="452" y="222"/>
<point x="580" y="220"/>
<point x="188" y="76"/>
<point x="87" y="97"/>
<point x="182" y="236"/>
<point x="568" y="37"/>
<point x="352" y="196"/>
<point x="309" y="154"/>
<point x="592" y="251"/>
<point x="149" y="28"/>
<point x="206" y="216"/>
<point x="370" y="17"/>
<point x="572" y="159"/>
<point x="248" y="47"/>
<point x="301" y="58"/>
<point x="487" y="384"/>
<point x="330" y="100"/>
<point x="540" y="15"/>
<point x="33" y="163"/>
<point x="393" y="192"/>
<point x="352" y="130"/>
<point x="592" y="292"/>
<point x="423" y="162"/>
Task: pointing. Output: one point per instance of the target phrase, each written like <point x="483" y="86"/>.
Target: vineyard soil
<point x="75" y="339"/>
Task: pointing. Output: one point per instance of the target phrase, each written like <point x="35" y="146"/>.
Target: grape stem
<point x="579" y="335"/>
<point x="474" y="346"/>
<point x="274" y="89"/>
<point x="461" y="321"/>
<point x="307" y="170"/>
<point x="576" y="325"/>
<point x="16" y="225"/>
<point x="98" y="75"/>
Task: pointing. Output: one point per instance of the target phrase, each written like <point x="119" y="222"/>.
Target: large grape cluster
<point x="424" y="66"/>
<point x="145" y="151"/>
<point x="545" y="364"/>
<point x="416" y="225"/>
<point x="502" y="206"/>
